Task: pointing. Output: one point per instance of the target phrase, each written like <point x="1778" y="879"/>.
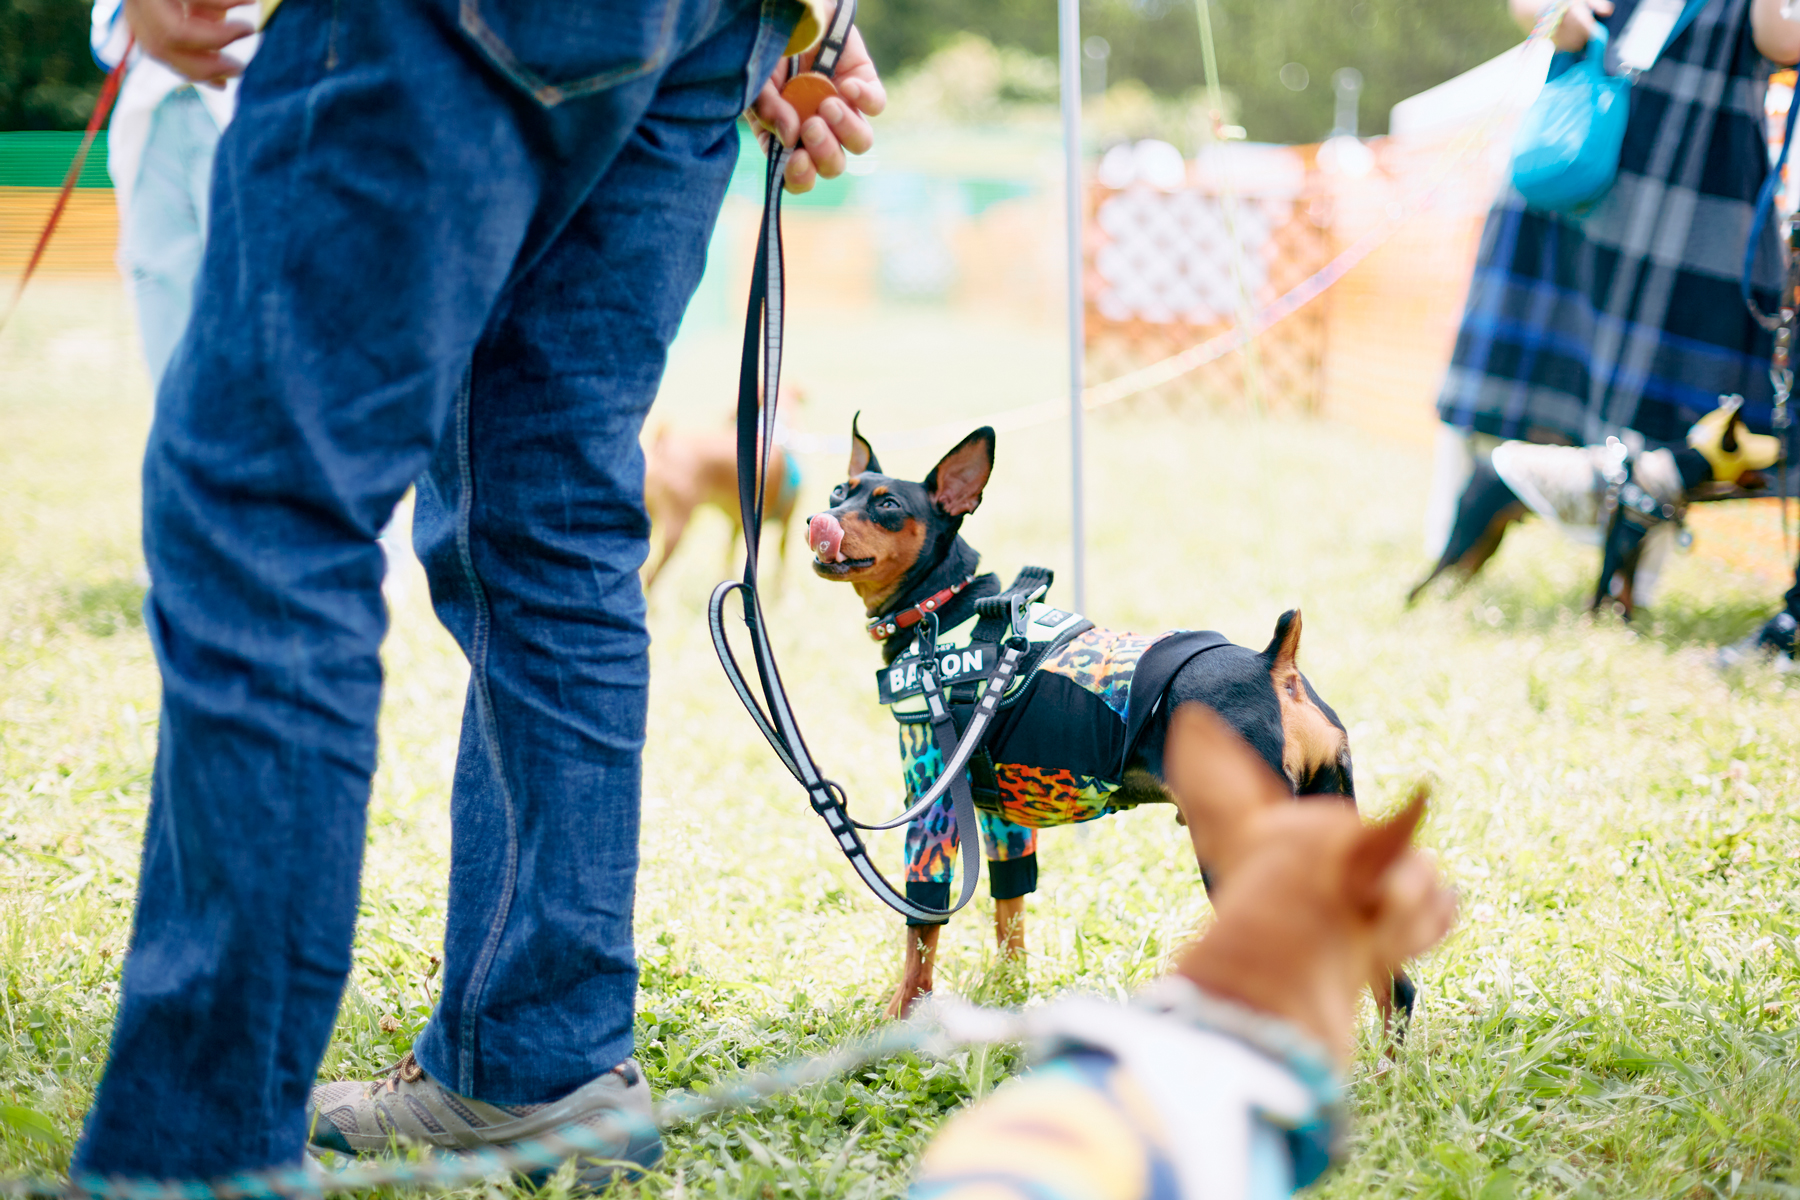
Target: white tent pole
<point x="1069" y="39"/>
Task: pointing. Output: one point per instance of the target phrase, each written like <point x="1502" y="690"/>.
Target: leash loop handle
<point x="1765" y="204"/>
<point x="759" y="393"/>
<point x="716" y="621"/>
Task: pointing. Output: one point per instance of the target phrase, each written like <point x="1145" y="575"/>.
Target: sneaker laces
<point x="407" y="1070"/>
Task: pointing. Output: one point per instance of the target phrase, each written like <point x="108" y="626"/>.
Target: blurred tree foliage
<point x="1401" y="47"/>
<point x="48" y="79"/>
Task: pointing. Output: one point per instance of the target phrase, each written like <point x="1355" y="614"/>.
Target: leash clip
<point x="1019" y="606"/>
<point x="926" y="638"/>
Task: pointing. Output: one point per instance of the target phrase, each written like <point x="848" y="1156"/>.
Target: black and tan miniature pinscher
<point x="1085" y="737"/>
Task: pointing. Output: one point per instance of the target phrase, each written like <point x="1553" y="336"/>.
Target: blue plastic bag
<point x="1566" y="151"/>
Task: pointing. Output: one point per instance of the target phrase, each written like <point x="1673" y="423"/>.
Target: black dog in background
<point x="1619" y="495"/>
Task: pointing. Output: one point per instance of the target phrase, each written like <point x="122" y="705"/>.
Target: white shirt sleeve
<point x="110" y="33"/>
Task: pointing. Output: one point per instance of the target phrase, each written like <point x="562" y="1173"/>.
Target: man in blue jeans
<point x="451" y="242"/>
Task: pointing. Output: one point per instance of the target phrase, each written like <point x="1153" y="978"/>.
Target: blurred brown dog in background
<point x="684" y="469"/>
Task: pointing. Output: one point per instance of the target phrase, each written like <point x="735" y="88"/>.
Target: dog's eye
<point x="888" y="502"/>
<point x="837" y="493"/>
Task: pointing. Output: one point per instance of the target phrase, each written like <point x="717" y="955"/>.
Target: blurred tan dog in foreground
<point x="1221" y="1079"/>
<point x="684" y="469"/>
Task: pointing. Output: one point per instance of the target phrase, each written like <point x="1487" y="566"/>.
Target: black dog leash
<point x="1781" y="322"/>
<point x="756" y="436"/>
<point x="1631" y="511"/>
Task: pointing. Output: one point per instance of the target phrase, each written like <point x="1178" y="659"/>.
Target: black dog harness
<point x="1070" y="722"/>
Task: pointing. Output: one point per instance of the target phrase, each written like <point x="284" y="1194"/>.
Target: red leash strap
<point x="109" y="92"/>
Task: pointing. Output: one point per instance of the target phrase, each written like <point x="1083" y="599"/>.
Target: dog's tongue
<point x="824" y="537"/>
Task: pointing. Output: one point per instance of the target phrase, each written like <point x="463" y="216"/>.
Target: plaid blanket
<point x="1629" y="316"/>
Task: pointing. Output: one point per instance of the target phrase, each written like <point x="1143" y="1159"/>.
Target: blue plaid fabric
<point x="1629" y="316"/>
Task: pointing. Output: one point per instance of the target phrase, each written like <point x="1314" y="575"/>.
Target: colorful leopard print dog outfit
<point x="1055" y="754"/>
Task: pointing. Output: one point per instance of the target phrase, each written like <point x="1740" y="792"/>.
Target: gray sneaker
<point x="406" y="1106"/>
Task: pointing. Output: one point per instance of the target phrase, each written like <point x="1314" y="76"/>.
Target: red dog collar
<point x="885" y="628"/>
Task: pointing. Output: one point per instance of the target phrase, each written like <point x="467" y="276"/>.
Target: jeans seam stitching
<point x="477" y="985"/>
<point x="765" y="28"/>
<point x="287" y="749"/>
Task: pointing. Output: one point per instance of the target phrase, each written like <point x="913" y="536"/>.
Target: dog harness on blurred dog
<point x="1177" y="1096"/>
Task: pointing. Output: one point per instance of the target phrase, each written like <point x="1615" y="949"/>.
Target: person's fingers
<point x="867" y="96"/>
<point x="827" y="154"/>
<point x="776" y="114"/>
<point x="847" y="126"/>
<point x="820" y="142"/>
<point x="1576" y="28"/>
<point x="800" y="175"/>
<point x="197" y="35"/>
<point x="1603" y="7"/>
<point x="187" y="35"/>
<point x="857" y="78"/>
<point x="209" y="68"/>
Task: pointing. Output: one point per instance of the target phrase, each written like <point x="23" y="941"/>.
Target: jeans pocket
<point x="558" y="50"/>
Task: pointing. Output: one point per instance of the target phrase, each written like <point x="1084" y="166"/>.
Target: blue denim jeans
<point x="451" y="242"/>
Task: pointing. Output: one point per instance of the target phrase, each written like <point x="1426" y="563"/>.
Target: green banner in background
<point x="42" y="159"/>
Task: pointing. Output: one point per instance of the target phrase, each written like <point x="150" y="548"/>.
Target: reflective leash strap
<point x="759" y="393"/>
<point x="939" y="1029"/>
<point x="109" y="91"/>
<point x="1781" y="369"/>
<point x="1780" y="323"/>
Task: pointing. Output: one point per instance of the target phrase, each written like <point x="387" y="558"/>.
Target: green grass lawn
<point x="1615" y="1015"/>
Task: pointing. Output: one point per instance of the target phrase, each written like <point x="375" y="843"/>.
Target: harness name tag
<point x="901" y="679"/>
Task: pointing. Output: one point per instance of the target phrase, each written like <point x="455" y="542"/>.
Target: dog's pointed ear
<point x="956" y="483"/>
<point x="862" y="455"/>
<point x="1377" y="848"/>
<point x="1283" y="653"/>
<point x="1218" y="780"/>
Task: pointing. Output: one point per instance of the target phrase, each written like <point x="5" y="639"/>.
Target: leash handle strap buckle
<point x="1021" y="610"/>
<point x="1014" y="604"/>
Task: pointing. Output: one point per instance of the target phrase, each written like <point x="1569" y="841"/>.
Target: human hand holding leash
<point x="189" y="36"/>
<point x="1577" y="25"/>
<point x="820" y="141"/>
<point x="1580" y="22"/>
